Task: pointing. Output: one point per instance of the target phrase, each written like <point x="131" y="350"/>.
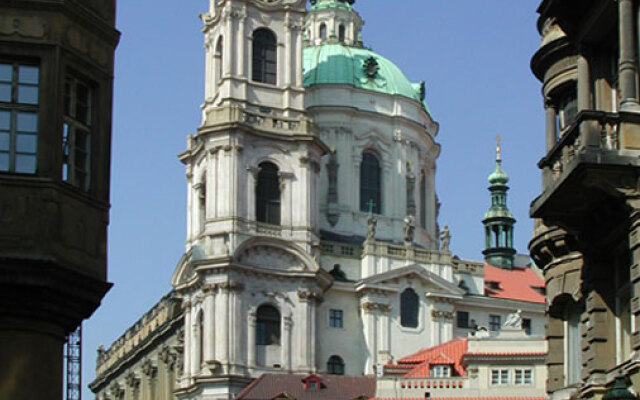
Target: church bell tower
<point x="249" y="279"/>
<point x="498" y="220"/>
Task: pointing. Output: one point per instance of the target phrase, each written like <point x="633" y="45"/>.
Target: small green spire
<point x="498" y="220"/>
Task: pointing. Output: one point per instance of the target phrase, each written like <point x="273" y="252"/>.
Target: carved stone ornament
<point x="445" y="238"/>
<point x="149" y="369"/>
<point x="132" y="380"/>
<point x="28" y="27"/>
<point x="371" y="67"/>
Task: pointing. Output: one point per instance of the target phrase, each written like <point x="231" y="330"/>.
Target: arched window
<point x="268" y="194"/>
<point x="370" y="183"/>
<point x="335" y="365"/>
<point x="323" y="32"/>
<point x="409" y="306"/>
<point x="267" y="326"/>
<point x="219" y="60"/>
<point x="341" y="33"/>
<point x="264" y="56"/>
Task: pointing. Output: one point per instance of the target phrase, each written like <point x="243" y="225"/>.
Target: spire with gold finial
<point x="498" y="220"/>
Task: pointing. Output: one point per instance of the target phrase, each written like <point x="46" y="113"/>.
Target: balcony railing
<point x="590" y="130"/>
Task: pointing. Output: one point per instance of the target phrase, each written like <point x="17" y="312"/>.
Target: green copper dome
<point x="322" y="4"/>
<point x="498" y="177"/>
<point x="358" y="67"/>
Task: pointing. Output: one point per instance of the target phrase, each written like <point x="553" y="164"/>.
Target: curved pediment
<point x="269" y="253"/>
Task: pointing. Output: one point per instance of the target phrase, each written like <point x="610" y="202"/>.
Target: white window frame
<point x="523" y="376"/>
<point x="440" y="371"/>
<point x="500" y="377"/>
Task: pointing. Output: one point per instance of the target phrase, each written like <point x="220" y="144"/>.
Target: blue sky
<point x="473" y="54"/>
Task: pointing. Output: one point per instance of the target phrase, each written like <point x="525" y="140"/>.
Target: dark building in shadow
<point x="56" y="83"/>
<point x="587" y="236"/>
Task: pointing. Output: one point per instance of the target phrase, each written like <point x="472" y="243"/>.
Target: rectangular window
<point x="499" y="377"/>
<point x="440" y="371"/>
<point x="335" y="318"/>
<point x="19" y="117"/>
<point x="463" y="319"/>
<point x="494" y="323"/>
<point x="76" y="133"/>
<point x="526" y="325"/>
<point x="523" y="376"/>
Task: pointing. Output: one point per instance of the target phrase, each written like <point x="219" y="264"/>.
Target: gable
<point x="438" y="285"/>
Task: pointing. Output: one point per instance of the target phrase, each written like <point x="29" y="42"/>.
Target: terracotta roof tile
<point x="448" y="353"/>
<point x="515" y="284"/>
<point x="336" y="387"/>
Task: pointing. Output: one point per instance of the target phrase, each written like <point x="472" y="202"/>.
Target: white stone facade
<point x="235" y="264"/>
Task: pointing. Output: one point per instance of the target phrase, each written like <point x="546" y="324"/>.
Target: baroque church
<point x="313" y="243"/>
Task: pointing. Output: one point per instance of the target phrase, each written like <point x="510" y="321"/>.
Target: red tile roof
<point x="515" y="284"/>
<point x="448" y="353"/>
<point x="334" y="387"/>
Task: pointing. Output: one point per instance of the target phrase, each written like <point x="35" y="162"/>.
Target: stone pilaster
<point x="286" y="343"/>
<point x="627" y="69"/>
<point x="251" y="338"/>
<point x="186" y="358"/>
<point x="307" y="330"/>
<point x="209" y="325"/>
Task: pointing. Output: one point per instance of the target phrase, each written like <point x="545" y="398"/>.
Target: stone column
<point x="370" y="336"/>
<point x="235" y="324"/>
<point x="242" y="43"/>
<point x="384" y="344"/>
<point x="195" y="345"/>
<point x="222" y="326"/>
<point x="186" y="363"/>
<point x="627" y="68"/>
<point x="306" y="332"/>
<point x="286" y="343"/>
<point x="209" y="326"/>
<point x="227" y="67"/>
<point x="251" y="339"/>
<point x="288" y="50"/>
<point x="584" y="81"/>
<point x="550" y="124"/>
<point x="150" y="372"/>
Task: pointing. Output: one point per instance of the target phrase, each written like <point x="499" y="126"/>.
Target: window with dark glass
<point x="19" y="97"/>
<point x="268" y="194"/>
<point x="370" y="184"/>
<point x="323" y="32"/>
<point x="264" y="56"/>
<point x="526" y="325"/>
<point x="463" y="319"/>
<point x="409" y="306"/>
<point x="76" y="133"/>
<point x="267" y="326"/>
<point x="335" y="365"/>
<point x="219" y="60"/>
<point x="567" y="109"/>
<point x="335" y="318"/>
<point x="423" y="200"/>
<point x="494" y="323"/>
<point x="341" y="33"/>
